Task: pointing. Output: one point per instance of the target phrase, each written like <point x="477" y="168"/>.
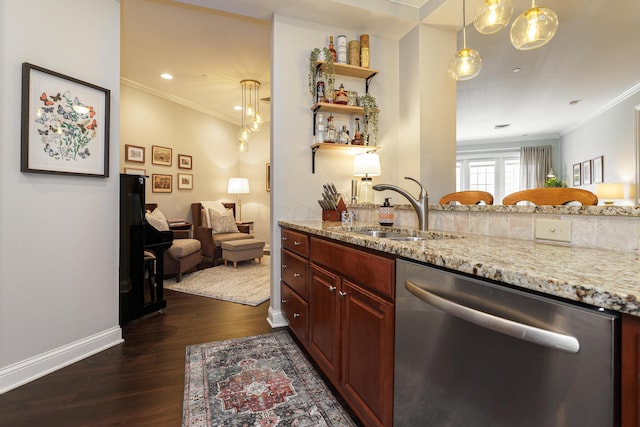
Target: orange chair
<point x="552" y="196"/>
<point x="467" y="197"/>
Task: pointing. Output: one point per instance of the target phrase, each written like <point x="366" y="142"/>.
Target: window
<point x="497" y="173"/>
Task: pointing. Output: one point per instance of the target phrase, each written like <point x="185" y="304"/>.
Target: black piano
<point x="142" y="250"/>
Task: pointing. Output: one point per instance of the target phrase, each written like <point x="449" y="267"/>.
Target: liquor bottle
<point x="331" y="134"/>
<point x="341" y="96"/>
<point x="357" y="138"/>
<point x="344" y="135"/>
<point x="332" y="49"/>
<point x="320" y="93"/>
<point x="320" y="128"/>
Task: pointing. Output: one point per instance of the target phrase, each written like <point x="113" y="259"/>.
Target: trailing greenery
<point x="371" y="110"/>
<point x="329" y="70"/>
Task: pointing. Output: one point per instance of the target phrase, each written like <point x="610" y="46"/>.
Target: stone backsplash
<point x="598" y="227"/>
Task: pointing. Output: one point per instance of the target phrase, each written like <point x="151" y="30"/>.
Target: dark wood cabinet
<point x="630" y="381"/>
<point x="339" y="302"/>
<point x="351" y="325"/>
<point x="294" y="284"/>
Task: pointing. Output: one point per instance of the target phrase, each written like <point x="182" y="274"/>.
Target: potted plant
<point x="370" y="118"/>
<point x="329" y="70"/>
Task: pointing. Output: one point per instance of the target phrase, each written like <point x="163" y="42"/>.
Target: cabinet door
<point x="367" y="354"/>
<point x="324" y="321"/>
<point x="296" y="312"/>
<point x="630" y="371"/>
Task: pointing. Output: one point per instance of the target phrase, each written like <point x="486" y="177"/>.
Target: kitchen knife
<point x="333" y="189"/>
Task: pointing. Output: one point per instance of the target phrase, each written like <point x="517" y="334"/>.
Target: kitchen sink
<point x="409" y="236"/>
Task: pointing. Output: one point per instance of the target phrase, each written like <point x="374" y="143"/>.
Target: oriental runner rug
<point x="263" y="380"/>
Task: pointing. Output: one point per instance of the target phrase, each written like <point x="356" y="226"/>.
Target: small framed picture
<point x="577" y="178"/>
<point x="185" y="181"/>
<point x="161" y="155"/>
<point x="161" y="183"/>
<point x="597" y="170"/>
<point x="268" y="176"/>
<point x="184" y="161"/>
<point x="135" y="171"/>
<point x="65" y="124"/>
<point x="586" y="172"/>
<point x="133" y="153"/>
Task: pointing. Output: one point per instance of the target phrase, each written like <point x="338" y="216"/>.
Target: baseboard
<point x="276" y="319"/>
<point x="27" y="370"/>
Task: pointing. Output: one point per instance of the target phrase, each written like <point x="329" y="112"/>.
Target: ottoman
<point x="183" y="255"/>
<point x="242" y="250"/>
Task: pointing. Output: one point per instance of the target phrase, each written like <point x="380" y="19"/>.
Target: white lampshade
<point x="608" y="192"/>
<point x="366" y="164"/>
<point x="238" y="186"/>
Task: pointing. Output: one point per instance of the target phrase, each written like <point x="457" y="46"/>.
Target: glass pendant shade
<point x="465" y="64"/>
<point x="250" y="110"/>
<point x="244" y="134"/>
<point x="534" y="28"/>
<point x="244" y="146"/>
<point x="492" y="16"/>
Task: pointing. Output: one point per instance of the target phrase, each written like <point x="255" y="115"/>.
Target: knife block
<point x="334" y="215"/>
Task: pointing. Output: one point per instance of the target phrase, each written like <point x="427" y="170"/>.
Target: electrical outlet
<point x="553" y="229"/>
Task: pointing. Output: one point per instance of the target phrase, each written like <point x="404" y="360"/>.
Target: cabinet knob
<point x="342" y="293"/>
<point x="332" y="288"/>
<point x="296" y="314"/>
<point x="284" y="301"/>
<point x="284" y="265"/>
<point x="284" y="238"/>
<point x="296" y="274"/>
<point x="297" y="243"/>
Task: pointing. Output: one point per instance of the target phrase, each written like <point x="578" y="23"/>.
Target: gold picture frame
<point x="161" y="155"/>
<point x="161" y="183"/>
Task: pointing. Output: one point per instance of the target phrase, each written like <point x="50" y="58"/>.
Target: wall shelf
<point x="353" y="149"/>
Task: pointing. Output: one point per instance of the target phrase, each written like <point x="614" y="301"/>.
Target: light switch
<point x="553" y="229"/>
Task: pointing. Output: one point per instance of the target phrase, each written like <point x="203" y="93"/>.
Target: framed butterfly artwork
<point x="65" y="124"/>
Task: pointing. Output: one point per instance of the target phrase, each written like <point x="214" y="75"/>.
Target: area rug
<point x="263" y="380"/>
<point x="248" y="284"/>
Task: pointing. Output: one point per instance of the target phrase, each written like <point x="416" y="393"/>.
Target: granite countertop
<point x="602" y="278"/>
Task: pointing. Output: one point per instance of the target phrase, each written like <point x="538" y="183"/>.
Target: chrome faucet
<point x="421" y="204"/>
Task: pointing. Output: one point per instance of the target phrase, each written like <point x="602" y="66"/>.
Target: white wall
<point x="59" y="246"/>
<point x="148" y="120"/>
<point x="295" y="190"/>
<point x="610" y="134"/>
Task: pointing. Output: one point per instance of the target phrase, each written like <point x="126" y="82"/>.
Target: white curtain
<point x="535" y="164"/>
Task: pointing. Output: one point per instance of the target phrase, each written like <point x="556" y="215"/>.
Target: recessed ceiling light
<point x="575" y="102"/>
<point x="502" y="126"/>
<point x="516" y="70"/>
<point x="166" y="76"/>
<point x="238" y="108"/>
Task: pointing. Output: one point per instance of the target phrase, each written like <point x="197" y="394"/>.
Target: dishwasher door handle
<point x="498" y="324"/>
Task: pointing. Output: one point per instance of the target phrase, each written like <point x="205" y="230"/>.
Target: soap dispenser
<point x="386" y="213"/>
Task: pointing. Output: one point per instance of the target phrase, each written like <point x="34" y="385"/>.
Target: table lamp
<point x="238" y="186"/>
<point x="366" y="165"/>
<point x="607" y="192"/>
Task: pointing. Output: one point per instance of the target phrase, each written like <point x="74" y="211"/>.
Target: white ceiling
<point x="210" y="45"/>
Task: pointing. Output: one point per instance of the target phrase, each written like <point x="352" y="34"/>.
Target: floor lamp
<point x="238" y="186"/>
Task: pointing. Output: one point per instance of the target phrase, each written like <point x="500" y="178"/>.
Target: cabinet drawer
<point x="370" y="271"/>
<point x="294" y="271"/>
<point x="296" y="312"/>
<point x="296" y="242"/>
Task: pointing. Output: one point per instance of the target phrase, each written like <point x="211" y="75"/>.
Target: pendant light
<point x="534" y="28"/>
<point x="492" y="16"/>
<point x="251" y="116"/>
<point x="466" y="63"/>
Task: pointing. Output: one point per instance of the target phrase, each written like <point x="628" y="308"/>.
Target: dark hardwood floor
<point x="139" y="382"/>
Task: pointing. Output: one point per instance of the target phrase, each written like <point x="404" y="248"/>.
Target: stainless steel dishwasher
<point x="472" y="353"/>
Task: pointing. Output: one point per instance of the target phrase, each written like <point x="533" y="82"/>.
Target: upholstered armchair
<point x="211" y="238"/>
<point x="183" y="254"/>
